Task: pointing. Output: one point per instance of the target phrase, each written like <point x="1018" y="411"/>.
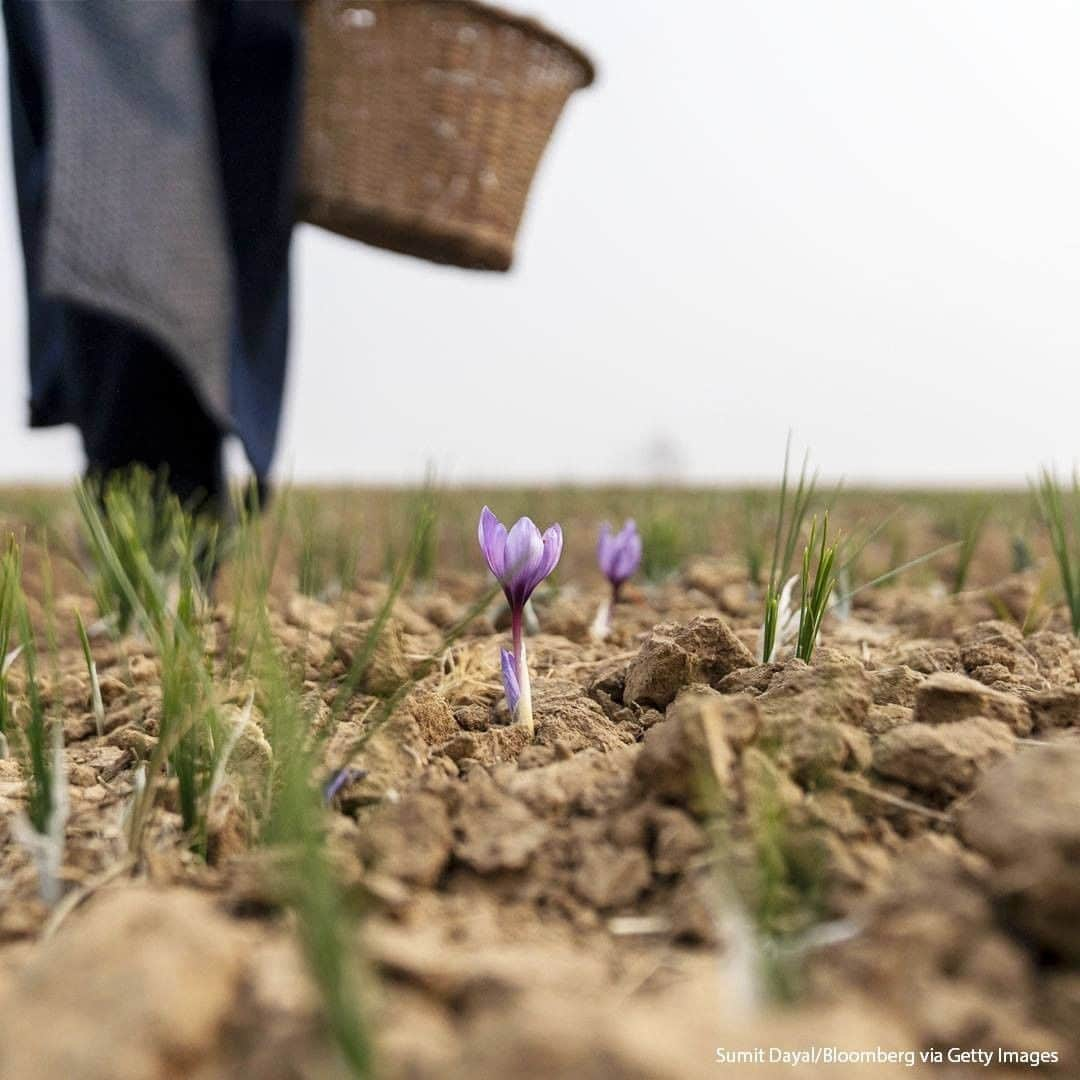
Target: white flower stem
<point x="601" y="625"/>
<point x="524" y="709"/>
<point x="523" y="713"/>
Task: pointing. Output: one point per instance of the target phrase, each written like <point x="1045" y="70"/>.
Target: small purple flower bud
<point x="619" y="554"/>
<point x="510" y="680"/>
<point x="339" y="780"/>
<point x="520" y="558"/>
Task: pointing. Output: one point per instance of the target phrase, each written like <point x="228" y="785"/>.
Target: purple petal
<point x="488" y="522"/>
<point x="492" y="534"/>
<point x="605" y="550"/>
<point x="619" y="555"/>
<point x="627" y="553"/>
<point x="339" y="780"/>
<point x="553" y="545"/>
<point x="510" y="679"/>
<point x="524" y="550"/>
<point x="552" y="550"/>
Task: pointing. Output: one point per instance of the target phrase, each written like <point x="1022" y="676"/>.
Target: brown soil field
<point x="695" y="854"/>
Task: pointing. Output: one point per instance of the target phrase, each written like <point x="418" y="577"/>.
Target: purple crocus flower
<point x="619" y="554"/>
<point x="520" y="558"/>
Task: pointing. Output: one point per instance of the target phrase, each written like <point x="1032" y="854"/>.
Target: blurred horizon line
<point x="748" y="483"/>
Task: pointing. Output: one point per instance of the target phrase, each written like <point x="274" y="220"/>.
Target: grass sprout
<point x="1060" y="510"/>
<point x="169" y="607"/>
<point x="329" y="550"/>
<point x="663" y="545"/>
<point x="1020" y="550"/>
<point x="294" y="825"/>
<point x="41" y="827"/>
<point x="255" y="550"/>
<point x="895" y="572"/>
<point x="10" y="575"/>
<point x="899" y="538"/>
<point x="816" y="589"/>
<point x="96" y="704"/>
<point x="45" y="841"/>
<point x="139" y="537"/>
<point x="853" y="545"/>
<point x="35" y="731"/>
<point x="423" y="524"/>
<point x="969" y="528"/>
<point x="311" y="888"/>
<point x="191" y="724"/>
<point x="786" y="886"/>
<point x="126" y="583"/>
<point x="768" y="883"/>
<point x="313" y="577"/>
<point x="424" y="507"/>
<point x="789" y="527"/>
<point x="48" y="600"/>
<point x="401" y="537"/>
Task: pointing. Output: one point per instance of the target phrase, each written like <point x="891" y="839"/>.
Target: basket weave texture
<point x="424" y="123"/>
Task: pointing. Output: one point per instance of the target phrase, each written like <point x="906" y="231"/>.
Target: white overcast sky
<point x="860" y="221"/>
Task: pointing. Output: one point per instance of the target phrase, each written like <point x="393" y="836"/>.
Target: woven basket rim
<point x="474" y="247"/>
<point x="523" y="22"/>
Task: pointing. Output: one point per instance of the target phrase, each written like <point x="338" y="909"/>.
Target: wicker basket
<point x="425" y="121"/>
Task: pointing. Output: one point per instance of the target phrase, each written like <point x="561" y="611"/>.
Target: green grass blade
<point x="96" y="704"/>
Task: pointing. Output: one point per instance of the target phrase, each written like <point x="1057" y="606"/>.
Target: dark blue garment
<point x="124" y="390"/>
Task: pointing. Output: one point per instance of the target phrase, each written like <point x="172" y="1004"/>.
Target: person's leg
<point x="133" y="406"/>
<point x="255" y="60"/>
